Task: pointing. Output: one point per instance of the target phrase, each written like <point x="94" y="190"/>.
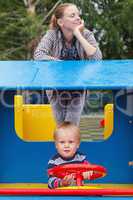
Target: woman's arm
<point x="88" y="43"/>
<point x="44" y="48"/>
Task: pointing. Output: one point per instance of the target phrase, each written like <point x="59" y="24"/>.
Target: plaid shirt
<point x="51" y="45"/>
<point x="69" y="53"/>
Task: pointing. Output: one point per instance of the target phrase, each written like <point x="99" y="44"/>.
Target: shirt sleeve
<point x="54" y="182"/>
<point x="91" y="39"/>
<point x="44" y="48"/>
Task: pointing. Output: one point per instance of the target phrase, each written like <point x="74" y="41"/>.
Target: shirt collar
<point x="61" y="36"/>
<point x="68" y="159"/>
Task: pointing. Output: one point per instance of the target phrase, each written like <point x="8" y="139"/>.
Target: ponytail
<point x="53" y="22"/>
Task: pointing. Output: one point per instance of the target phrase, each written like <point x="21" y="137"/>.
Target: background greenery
<point x="23" y="22"/>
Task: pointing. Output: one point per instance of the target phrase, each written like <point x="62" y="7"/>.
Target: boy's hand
<point x="87" y="175"/>
<point x="67" y="180"/>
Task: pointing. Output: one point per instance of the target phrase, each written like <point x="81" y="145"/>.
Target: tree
<point x="111" y="21"/>
<point x="21" y="26"/>
<point x="23" y="22"/>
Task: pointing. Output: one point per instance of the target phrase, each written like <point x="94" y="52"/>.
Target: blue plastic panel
<point x="16" y="74"/>
<point x="113" y="74"/>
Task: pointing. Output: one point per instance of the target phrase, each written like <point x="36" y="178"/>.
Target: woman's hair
<point x="67" y="125"/>
<point x="58" y="13"/>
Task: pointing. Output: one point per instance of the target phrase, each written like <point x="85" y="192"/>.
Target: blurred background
<point x="23" y="22"/>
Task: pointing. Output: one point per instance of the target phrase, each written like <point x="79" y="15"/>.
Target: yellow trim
<point x="23" y="185"/>
<point x="100" y="186"/>
<point x="44" y="185"/>
<point x="33" y="122"/>
<point x="108" y="120"/>
<point x="18" y="110"/>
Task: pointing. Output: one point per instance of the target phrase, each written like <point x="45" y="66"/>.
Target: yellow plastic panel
<point x="18" y="112"/>
<point x="33" y="122"/>
<point x="108" y="120"/>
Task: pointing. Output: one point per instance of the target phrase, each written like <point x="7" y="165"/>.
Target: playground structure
<point x="27" y="114"/>
<point x="77" y="169"/>
<point x="25" y="149"/>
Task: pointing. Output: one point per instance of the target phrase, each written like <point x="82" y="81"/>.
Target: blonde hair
<point x="67" y="125"/>
<point x="58" y="13"/>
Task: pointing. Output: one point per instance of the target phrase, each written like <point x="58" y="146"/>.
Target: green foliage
<point x="19" y="31"/>
<point x="115" y="27"/>
<point x="111" y="21"/>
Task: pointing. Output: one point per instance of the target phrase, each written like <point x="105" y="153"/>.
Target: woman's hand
<point x="79" y="28"/>
<point x="54" y="58"/>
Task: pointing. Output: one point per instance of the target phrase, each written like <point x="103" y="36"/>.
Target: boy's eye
<point x="71" y="141"/>
<point x="61" y="142"/>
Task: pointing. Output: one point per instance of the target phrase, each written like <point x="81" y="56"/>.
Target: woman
<point x="67" y="39"/>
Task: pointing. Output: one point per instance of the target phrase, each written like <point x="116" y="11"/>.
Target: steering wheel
<point x="77" y="170"/>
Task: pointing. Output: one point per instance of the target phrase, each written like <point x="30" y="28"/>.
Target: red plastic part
<point x="77" y="169"/>
<point x="102" y="123"/>
<point x="69" y="192"/>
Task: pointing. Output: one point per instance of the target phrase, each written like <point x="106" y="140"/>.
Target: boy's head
<point x="67" y="139"/>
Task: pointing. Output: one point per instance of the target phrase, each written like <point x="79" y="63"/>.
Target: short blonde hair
<point x="67" y="125"/>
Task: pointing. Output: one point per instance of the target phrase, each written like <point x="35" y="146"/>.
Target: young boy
<point x="67" y="141"/>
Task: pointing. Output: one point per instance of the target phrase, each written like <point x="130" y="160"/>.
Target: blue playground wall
<point x="27" y="161"/>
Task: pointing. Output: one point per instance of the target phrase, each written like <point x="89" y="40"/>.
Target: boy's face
<point x="67" y="142"/>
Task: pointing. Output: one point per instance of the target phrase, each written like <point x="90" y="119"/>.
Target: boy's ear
<point x="78" y="145"/>
<point x="60" y="22"/>
<point x="55" y="145"/>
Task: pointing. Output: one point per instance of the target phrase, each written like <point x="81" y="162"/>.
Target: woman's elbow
<point x="97" y="55"/>
<point x="92" y="52"/>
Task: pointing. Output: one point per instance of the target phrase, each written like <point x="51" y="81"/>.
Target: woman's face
<point x="71" y="18"/>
